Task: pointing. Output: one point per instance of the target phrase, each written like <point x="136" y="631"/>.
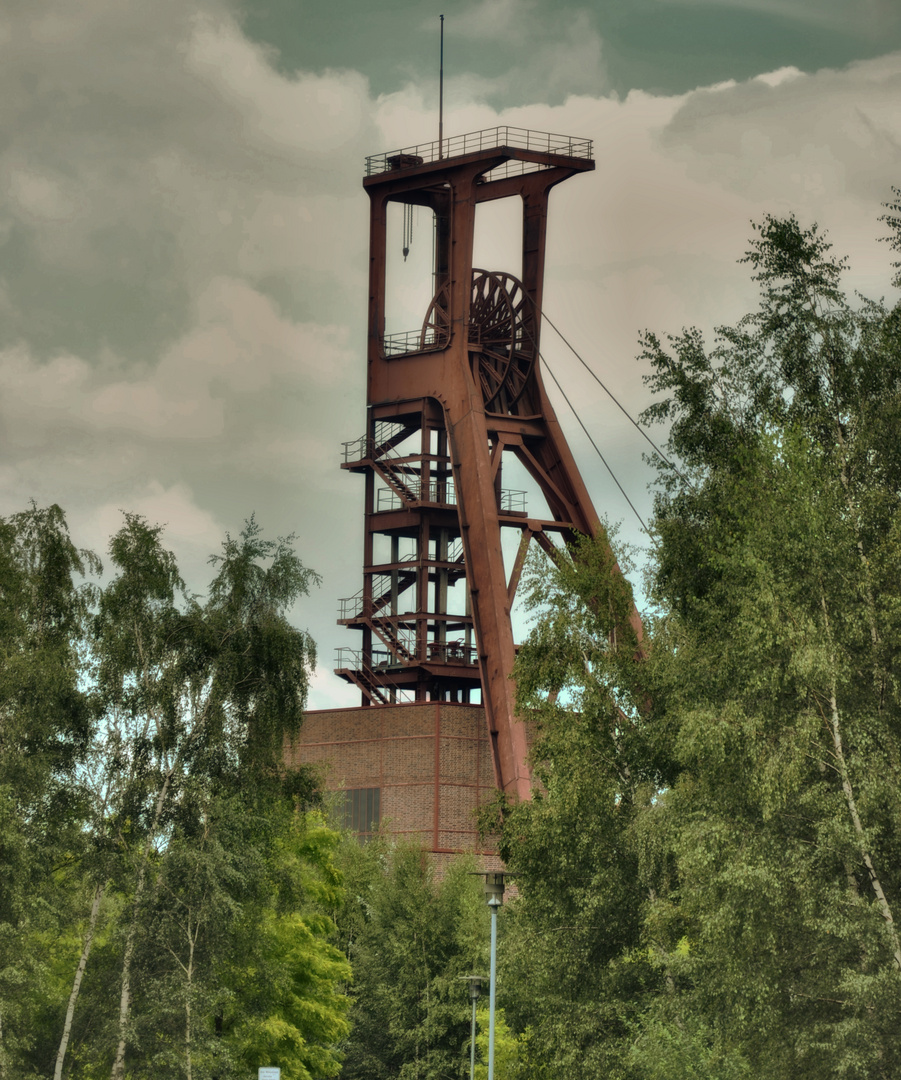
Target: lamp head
<point x="494" y="889"/>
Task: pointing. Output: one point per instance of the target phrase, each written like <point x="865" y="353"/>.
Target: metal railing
<point x="512" y="501"/>
<point x="352" y="659"/>
<point x="365" y="447"/>
<point x="454" y="553"/>
<point x="388" y="498"/>
<point x="452" y="652"/>
<point x="356" y="449"/>
<point x="348" y="658"/>
<point x="439" y="652"/>
<point x="411" y="341"/>
<point x="544" y="142"/>
<point x="349" y="607"/>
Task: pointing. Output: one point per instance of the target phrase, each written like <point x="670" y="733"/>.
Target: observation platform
<point x="520" y="151"/>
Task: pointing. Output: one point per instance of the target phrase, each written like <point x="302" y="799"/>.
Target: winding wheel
<point x="501" y="337"/>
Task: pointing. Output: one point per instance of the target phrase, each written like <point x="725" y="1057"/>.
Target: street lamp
<point x="494" y="894"/>
<point x="475" y="992"/>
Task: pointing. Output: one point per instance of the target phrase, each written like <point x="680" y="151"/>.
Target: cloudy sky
<point x="183" y="229"/>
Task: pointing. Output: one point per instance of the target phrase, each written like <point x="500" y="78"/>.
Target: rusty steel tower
<point x="446" y="402"/>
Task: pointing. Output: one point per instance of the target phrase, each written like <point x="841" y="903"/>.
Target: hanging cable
<point x="597" y="450"/>
<point x="613" y="398"/>
<point x="408" y="228"/>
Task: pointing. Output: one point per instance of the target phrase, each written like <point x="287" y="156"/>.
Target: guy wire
<point x="597" y="450"/>
<point x="616" y="402"/>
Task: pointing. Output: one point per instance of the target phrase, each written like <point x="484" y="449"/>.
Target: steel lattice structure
<point x="446" y="403"/>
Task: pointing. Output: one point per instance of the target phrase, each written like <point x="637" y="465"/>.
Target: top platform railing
<point x="542" y="142"/>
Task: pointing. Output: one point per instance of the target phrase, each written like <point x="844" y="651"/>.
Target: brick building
<point x="419" y="770"/>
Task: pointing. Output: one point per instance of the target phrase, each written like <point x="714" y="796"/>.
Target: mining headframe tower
<point x="436" y="732"/>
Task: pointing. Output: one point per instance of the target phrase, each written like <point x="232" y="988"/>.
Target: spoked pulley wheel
<point x="501" y="338"/>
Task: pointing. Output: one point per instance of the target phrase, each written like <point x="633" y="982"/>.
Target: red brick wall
<point x="430" y="760"/>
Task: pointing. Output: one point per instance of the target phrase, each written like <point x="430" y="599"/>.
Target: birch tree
<point x="761" y="870"/>
<point x="195" y="696"/>
<point x="193" y="699"/>
<point x="779" y="571"/>
<point x="46" y="725"/>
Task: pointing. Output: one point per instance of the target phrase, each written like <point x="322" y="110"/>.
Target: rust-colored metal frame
<point x="434" y="389"/>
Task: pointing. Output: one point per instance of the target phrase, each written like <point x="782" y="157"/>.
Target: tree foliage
<point x="164" y="905"/>
<point x="574" y="974"/>
<point x="45" y="726"/>
<point x="715" y="854"/>
<point x="411" y="936"/>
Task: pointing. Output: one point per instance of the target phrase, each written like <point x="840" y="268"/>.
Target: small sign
<point x="269" y="1072"/>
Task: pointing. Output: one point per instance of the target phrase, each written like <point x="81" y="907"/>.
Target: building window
<point x="361" y="811"/>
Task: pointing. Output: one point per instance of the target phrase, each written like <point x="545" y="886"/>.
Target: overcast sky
<point x="184" y="232"/>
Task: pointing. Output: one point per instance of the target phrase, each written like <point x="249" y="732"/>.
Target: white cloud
<point x="240" y="348"/>
<point x="310" y="115"/>
<point x="828" y="134"/>
<point x="561" y="57"/>
<point x="779" y="76"/>
<point x="163" y="149"/>
<point x="495" y="20"/>
<point x="166" y="152"/>
<point x="39" y="196"/>
<point x="194" y="532"/>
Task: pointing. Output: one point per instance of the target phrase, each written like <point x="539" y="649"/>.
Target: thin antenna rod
<point x="441" y="96"/>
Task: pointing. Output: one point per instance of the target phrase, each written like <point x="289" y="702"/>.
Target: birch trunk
<point x="188" y="1039"/>
<point x="878" y="673"/>
<point x="847" y="788"/>
<point x="118" y="1070"/>
<point x="76" y="984"/>
<point x="189" y="975"/>
<point x="851" y="801"/>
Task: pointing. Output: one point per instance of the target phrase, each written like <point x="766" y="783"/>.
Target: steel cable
<point x="615" y="400"/>
<point x="596" y="448"/>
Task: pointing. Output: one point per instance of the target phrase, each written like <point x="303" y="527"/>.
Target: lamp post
<point x="475" y="992"/>
<point x="494" y="894"/>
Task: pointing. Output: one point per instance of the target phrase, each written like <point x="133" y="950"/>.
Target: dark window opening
<point x="360" y="813"/>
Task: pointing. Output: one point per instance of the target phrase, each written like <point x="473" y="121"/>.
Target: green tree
<point x="234" y="966"/>
<point x="511" y="1053"/>
<point x="289" y="1004"/>
<point x="198" y="699"/>
<point x="411" y="937"/>
<point x="779" y="576"/>
<point x="165" y="896"/>
<point x="46" y="724"/>
<point x="727" y="816"/>
<point x="575" y="969"/>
